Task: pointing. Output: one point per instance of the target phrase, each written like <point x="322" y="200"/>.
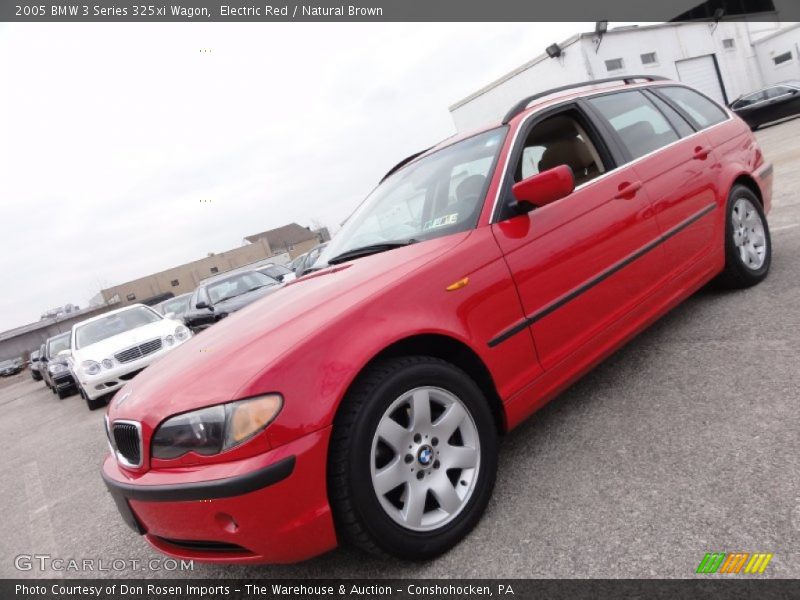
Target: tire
<point x="385" y="522"/>
<point x="96" y="403"/>
<point x="748" y="246"/>
<point x="91" y="404"/>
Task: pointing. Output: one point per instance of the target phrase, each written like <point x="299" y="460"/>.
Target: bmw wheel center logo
<point x="425" y="456"/>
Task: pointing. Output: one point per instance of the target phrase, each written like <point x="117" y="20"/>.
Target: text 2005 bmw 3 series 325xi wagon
<point x="363" y="402"/>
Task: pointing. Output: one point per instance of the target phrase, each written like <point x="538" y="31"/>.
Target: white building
<point x="725" y="60"/>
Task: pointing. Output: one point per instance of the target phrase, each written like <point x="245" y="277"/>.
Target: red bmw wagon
<point x="363" y="403"/>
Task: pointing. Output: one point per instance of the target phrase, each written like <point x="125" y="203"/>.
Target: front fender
<point x="315" y="375"/>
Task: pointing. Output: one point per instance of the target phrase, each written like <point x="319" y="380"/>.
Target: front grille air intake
<point x="139" y="351"/>
<point x="127" y="441"/>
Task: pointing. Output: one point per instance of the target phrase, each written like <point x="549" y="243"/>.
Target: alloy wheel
<point x="425" y="458"/>
<point x="748" y="234"/>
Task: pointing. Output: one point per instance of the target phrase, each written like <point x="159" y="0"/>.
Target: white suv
<point x="110" y="349"/>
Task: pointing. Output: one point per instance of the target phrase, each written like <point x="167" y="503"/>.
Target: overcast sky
<point x="112" y="134"/>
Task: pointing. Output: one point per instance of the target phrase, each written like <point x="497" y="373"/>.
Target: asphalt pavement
<point x="684" y="442"/>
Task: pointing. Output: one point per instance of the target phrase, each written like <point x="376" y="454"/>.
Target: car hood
<point x="237" y="302"/>
<point x="252" y="339"/>
<point x="107" y="347"/>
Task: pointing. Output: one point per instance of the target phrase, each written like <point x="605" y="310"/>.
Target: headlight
<point x="215" y="429"/>
<point x="107" y="363"/>
<point x="90" y="367"/>
<point x="56" y="368"/>
<point x="182" y="333"/>
<point x="169" y="340"/>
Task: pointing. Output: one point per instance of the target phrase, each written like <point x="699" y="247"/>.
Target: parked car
<point x="111" y="349"/>
<point x="480" y="278"/>
<point x="309" y="259"/>
<point x="55" y="365"/>
<point x="298" y="262"/>
<point x="176" y="307"/>
<point x="10" y="367"/>
<point x="278" y="272"/>
<point x="217" y="297"/>
<point x="769" y="104"/>
<point x="36" y="375"/>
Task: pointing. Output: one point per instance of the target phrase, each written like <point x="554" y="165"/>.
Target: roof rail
<point x="523" y="104"/>
<point x="403" y="163"/>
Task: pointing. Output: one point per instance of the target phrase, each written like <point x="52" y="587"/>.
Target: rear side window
<point x="677" y="120"/>
<point x="699" y="108"/>
<point x="639" y="124"/>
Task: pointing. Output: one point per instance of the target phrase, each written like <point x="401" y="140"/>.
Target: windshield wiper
<point x="371" y="249"/>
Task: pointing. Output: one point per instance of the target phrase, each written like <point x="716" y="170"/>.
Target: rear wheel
<point x="748" y="246"/>
<point x="413" y="458"/>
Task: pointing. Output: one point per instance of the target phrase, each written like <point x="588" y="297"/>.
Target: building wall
<point x="187" y="276"/>
<point x="737" y="68"/>
<point x="491" y="104"/>
<point x="767" y="48"/>
<point x="303" y="247"/>
<point x="23" y="340"/>
<point x="744" y="68"/>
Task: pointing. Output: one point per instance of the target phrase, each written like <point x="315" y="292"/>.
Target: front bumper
<point x="268" y="508"/>
<point x="110" y="380"/>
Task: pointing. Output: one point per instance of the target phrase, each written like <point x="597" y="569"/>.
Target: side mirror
<point x="204" y="304"/>
<point x="543" y="188"/>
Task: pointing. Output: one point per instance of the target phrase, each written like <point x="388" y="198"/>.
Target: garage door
<point x="701" y="73"/>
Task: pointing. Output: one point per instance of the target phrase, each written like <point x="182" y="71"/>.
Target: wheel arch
<point x="749" y="182"/>
<point x="453" y="351"/>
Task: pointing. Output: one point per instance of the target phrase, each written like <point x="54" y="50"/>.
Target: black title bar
<point x="379" y="10"/>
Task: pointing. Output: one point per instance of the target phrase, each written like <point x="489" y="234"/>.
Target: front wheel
<point x="413" y="458"/>
<point x="90" y="404"/>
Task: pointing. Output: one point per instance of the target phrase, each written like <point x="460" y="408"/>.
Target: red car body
<point x="542" y="298"/>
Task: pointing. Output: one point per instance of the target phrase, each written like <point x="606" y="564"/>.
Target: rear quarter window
<point x="697" y="107"/>
<point x="641" y="127"/>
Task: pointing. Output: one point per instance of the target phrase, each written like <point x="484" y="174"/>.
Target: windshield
<point x="236" y="285"/>
<point x="274" y="271"/>
<point x="176" y="306"/>
<point x="106" y="327"/>
<point x="57" y="344"/>
<point x="437" y="195"/>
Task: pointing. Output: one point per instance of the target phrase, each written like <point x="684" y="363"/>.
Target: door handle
<point x="628" y="189"/>
<point x="701" y="152"/>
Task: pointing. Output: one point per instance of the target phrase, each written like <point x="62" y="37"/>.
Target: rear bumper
<point x="269" y="508"/>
